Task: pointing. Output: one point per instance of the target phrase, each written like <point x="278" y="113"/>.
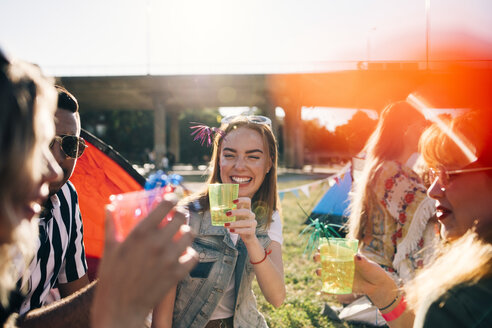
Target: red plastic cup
<point x="130" y="208"/>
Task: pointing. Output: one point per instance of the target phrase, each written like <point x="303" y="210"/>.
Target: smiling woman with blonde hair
<point x="28" y="102"/>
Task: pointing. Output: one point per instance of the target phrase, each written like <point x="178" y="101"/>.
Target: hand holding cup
<point x="137" y="272"/>
<point x="369" y="279"/>
<point x="245" y="223"/>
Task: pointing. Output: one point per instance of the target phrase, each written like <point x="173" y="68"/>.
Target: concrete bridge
<point x="369" y="85"/>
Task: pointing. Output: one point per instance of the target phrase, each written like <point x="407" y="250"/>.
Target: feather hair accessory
<point x="204" y="133"/>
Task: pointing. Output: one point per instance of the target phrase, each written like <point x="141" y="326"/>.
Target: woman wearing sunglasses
<point x="455" y="290"/>
<point x="218" y="292"/>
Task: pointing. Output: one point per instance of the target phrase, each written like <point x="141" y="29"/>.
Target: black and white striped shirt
<point x="61" y="256"/>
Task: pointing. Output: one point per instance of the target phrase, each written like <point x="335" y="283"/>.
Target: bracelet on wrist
<point x="397" y="311"/>
<point x="263" y="259"/>
<point x="392" y="302"/>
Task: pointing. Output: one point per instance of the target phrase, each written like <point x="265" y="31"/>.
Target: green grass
<point x="304" y="303"/>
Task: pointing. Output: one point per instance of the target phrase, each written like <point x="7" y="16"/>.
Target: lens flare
<point x="425" y="109"/>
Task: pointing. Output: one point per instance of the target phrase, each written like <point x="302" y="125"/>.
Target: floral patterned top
<point x="398" y="233"/>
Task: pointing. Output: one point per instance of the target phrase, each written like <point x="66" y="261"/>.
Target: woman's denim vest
<point x="200" y="292"/>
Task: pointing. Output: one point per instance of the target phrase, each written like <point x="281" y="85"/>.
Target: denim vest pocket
<point x="206" y="258"/>
<point x="201" y="270"/>
<point x="199" y="292"/>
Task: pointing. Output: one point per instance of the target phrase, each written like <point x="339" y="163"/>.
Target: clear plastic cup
<point x="337" y="264"/>
<point x="221" y="196"/>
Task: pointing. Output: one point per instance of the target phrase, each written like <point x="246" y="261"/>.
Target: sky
<point x="126" y="37"/>
<point x="156" y="37"/>
<point x="135" y="37"/>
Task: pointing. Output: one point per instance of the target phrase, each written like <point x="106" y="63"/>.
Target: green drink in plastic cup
<point x="337" y="264"/>
<point x="221" y="196"/>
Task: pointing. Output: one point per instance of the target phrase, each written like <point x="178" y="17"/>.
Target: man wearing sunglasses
<point x="60" y="259"/>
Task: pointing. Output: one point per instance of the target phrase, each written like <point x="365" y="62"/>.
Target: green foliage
<point x="304" y="303"/>
<point x="130" y="132"/>
<point x="192" y="151"/>
<point x="345" y="142"/>
<point x="356" y="132"/>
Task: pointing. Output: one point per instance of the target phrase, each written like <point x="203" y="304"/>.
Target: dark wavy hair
<point x="66" y="100"/>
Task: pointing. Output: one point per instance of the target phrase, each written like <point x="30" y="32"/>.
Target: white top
<point x="225" y="308"/>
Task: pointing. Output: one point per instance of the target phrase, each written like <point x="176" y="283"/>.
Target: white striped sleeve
<point x="74" y="264"/>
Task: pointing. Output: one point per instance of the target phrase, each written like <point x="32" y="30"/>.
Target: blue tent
<point x="333" y="206"/>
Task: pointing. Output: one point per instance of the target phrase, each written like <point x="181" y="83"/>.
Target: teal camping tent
<point x="333" y="206"/>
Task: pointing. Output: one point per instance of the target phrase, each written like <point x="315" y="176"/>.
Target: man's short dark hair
<point x="66" y="100"/>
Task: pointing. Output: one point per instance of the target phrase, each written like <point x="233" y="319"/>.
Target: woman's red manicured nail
<point x="235" y="201"/>
<point x="231" y="230"/>
<point x="358" y="257"/>
<point x="227" y="224"/>
<point x="228" y="213"/>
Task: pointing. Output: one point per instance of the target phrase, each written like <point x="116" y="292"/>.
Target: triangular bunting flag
<point x="281" y="195"/>
<point x="296" y="193"/>
<point x="305" y="190"/>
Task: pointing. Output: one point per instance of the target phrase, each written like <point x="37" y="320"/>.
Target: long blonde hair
<point x="28" y="102"/>
<point x="463" y="261"/>
<point x="265" y="200"/>
<point x="384" y="144"/>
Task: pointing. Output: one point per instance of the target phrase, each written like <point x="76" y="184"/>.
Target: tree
<point x="129" y="132"/>
<point x="192" y="151"/>
<point x="345" y="142"/>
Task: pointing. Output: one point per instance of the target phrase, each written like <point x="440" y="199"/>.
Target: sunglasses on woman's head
<point x="257" y="119"/>
<point x="72" y="146"/>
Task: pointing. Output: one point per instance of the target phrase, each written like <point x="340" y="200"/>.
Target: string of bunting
<point x="309" y="186"/>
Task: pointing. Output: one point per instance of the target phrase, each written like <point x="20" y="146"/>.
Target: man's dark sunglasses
<point x="72" y="146"/>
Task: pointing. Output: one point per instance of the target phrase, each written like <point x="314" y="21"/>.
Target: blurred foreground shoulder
<point x="465" y="305"/>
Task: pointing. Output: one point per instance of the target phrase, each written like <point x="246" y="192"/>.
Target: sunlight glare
<point x="432" y="116"/>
